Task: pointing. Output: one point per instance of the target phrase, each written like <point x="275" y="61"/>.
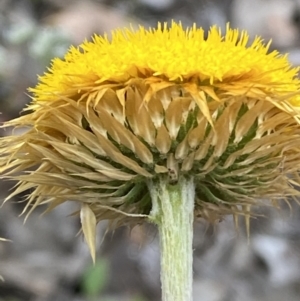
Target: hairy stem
<point x="173" y="213"/>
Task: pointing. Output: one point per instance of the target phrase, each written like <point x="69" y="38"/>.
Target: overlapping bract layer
<point x="102" y="151"/>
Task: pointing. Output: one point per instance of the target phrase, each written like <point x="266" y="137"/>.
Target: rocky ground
<point x="47" y="260"/>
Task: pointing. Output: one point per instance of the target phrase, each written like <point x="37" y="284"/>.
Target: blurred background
<point x="47" y="260"/>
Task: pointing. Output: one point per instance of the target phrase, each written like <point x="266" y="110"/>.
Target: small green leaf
<point x="95" y="279"/>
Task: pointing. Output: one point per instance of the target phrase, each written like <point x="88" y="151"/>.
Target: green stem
<point x="173" y="213"/>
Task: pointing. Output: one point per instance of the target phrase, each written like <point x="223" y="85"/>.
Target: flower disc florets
<point x="166" y="102"/>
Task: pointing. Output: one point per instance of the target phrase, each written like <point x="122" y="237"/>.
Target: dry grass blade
<point x="88" y="222"/>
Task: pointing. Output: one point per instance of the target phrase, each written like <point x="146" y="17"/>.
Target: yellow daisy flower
<point x="123" y="125"/>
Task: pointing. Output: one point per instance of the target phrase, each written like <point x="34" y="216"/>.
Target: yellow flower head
<point x="171" y="55"/>
<point x="113" y="116"/>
